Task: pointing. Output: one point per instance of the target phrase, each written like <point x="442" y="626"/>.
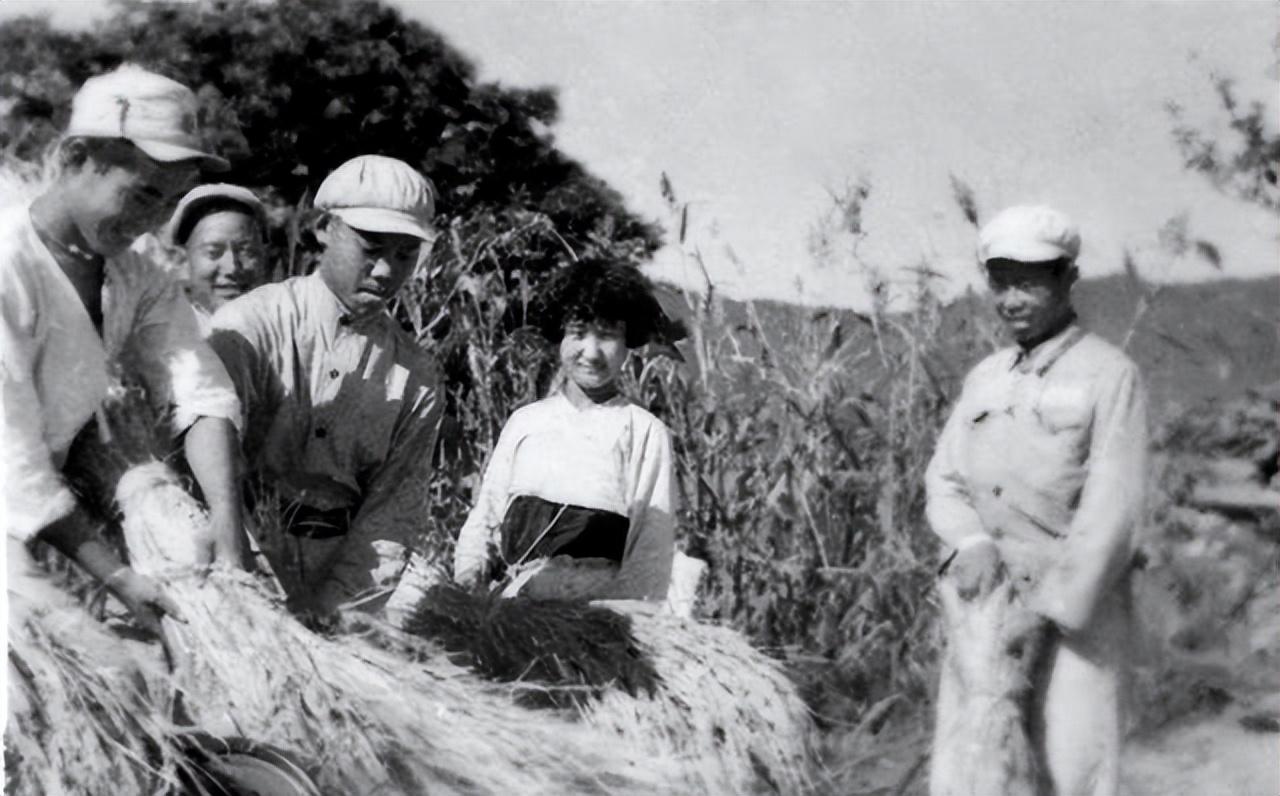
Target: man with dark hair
<point x="1037" y="486"/>
<point x="76" y="301"/>
<point x="342" y="407"/>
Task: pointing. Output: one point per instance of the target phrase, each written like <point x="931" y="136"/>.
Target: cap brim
<point x="203" y="195"/>
<point x="174" y="153"/>
<point x="1027" y="252"/>
<point x="378" y="219"/>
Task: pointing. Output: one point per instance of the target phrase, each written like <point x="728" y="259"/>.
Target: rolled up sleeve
<point x="167" y="346"/>
<point x="201" y="384"/>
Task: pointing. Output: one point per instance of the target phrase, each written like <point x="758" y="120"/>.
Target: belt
<point x="308" y="522"/>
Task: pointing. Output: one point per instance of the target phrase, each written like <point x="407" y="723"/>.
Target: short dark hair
<point x="592" y="290"/>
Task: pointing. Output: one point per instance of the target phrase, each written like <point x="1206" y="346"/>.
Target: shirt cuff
<point x="29" y="517"/>
<point x="973" y="540"/>
<point x="186" y="415"/>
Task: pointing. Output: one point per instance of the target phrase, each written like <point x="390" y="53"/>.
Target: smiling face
<point x="227" y="256"/>
<point x="592" y="354"/>
<point x="365" y="269"/>
<point x="1032" y="299"/>
<point x="118" y="193"/>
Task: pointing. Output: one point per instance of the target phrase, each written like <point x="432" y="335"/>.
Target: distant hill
<point x="1193" y="341"/>
<point x="1198" y="341"/>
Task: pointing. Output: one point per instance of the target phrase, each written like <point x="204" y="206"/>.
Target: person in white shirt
<point x="76" y="302"/>
<point x="1039" y="480"/>
<point x="578" y="499"/>
<point x="221" y="231"/>
<point x="342" y="406"/>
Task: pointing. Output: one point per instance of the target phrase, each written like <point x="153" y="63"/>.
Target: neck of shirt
<point x="55" y="229"/>
<point x="342" y="317"/>
<point x="581" y="399"/>
<point x="86" y="275"/>
<point x="1041" y="356"/>
<point x="1067" y="319"/>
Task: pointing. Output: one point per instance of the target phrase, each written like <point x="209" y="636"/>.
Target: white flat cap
<point x="157" y="114"/>
<point x="182" y="222"/>
<point x="1029" y="234"/>
<point x="380" y="194"/>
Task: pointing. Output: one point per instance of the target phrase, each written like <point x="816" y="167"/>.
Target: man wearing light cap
<point x="77" y="303"/>
<point x="342" y="406"/>
<point x="1037" y="484"/>
<point x="222" y="232"/>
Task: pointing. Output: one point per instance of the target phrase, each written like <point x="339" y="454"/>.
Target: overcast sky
<point x="757" y="111"/>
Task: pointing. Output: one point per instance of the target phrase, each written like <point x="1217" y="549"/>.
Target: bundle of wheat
<point x="376" y="723"/>
<point x="983" y="741"/>
<point x="86" y="715"/>
<point x="564" y="643"/>
<point x="722" y="707"/>
<point x="706" y="699"/>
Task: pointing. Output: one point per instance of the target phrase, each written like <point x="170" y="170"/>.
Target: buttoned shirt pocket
<point x="1064" y="407"/>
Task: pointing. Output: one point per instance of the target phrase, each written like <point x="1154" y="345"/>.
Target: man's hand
<point x="223" y="545"/>
<point x="143" y="598"/>
<point x="976" y="569"/>
<point x="1025" y="632"/>
<point x="213" y="453"/>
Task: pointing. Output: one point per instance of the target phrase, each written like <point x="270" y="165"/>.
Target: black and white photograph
<point x="557" y="397"/>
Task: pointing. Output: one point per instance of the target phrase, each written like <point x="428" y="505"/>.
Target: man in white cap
<point x="342" y="406"/>
<point x="222" y="231"/>
<point x="1038" y="481"/>
<point x="77" y="302"/>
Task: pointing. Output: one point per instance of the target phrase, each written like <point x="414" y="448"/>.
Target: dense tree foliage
<point x="291" y="89"/>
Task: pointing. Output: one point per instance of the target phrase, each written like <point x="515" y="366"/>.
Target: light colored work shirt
<point x="1046" y="453"/>
<point x="55" y="364"/>
<point x="613" y="457"/>
<point x="337" y="414"/>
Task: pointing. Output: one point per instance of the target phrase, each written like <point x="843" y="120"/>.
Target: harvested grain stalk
<point x="983" y="742"/>
<point x="86" y="716"/>
<point x="693" y="693"/>
<point x="723" y="707"/>
<point x="375" y="722"/>
<point x="580" y="648"/>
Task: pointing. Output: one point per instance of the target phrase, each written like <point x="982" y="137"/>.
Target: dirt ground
<point x="1208" y="755"/>
<point x="1199" y="755"/>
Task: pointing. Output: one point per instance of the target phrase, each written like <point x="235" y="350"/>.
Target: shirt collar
<point x="335" y="314"/>
<point x="1044" y="355"/>
<point x="618" y="400"/>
